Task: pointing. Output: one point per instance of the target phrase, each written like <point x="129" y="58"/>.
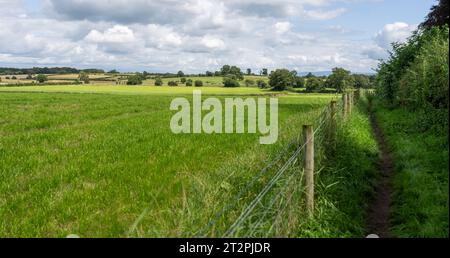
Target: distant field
<point x="92" y="164"/>
<point x="138" y="90"/>
<point x="215" y="81"/>
<point x="108" y="79"/>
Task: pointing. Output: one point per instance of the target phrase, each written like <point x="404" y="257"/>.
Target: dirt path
<point x="379" y="211"/>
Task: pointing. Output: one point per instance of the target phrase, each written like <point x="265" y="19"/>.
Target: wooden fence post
<point x="345" y="105"/>
<point x="333" y="126"/>
<point x="350" y="102"/>
<point x="308" y="137"/>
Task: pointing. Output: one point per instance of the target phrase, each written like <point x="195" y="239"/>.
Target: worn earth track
<point x="379" y="211"/>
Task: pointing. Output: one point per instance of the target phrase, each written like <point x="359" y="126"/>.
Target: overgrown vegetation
<point x="420" y="203"/>
<point x="345" y="183"/>
<point x="412" y="107"/>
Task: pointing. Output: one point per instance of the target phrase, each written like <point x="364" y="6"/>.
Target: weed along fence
<point x="280" y="198"/>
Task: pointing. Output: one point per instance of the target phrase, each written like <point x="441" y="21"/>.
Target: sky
<point x="199" y="35"/>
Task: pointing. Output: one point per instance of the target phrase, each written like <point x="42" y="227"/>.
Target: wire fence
<point x="272" y="204"/>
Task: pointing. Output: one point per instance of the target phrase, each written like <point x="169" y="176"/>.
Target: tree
<point x="189" y="83"/>
<point x="438" y="16"/>
<point x="29" y="77"/>
<point x="361" y="81"/>
<point x="232" y="70"/>
<point x="314" y="84"/>
<point x="299" y="82"/>
<point x="249" y="71"/>
<point x="158" y="81"/>
<point x="41" y="78"/>
<point x="84" y="77"/>
<point x="183" y="80"/>
<point x="264" y="72"/>
<point x="209" y="74"/>
<point x="114" y="71"/>
<point x="340" y="79"/>
<point x="173" y="83"/>
<point x="310" y="75"/>
<point x="198" y="83"/>
<point x="14" y="77"/>
<point x="249" y="83"/>
<point x="135" y="80"/>
<point x="262" y="84"/>
<point x="225" y="70"/>
<point x="281" y="79"/>
<point x="230" y="81"/>
<point x="180" y="74"/>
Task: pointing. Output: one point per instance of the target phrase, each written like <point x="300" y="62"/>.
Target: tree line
<point x="46" y="70"/>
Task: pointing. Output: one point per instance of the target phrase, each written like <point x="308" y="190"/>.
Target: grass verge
<point x="420" y="201"/>
<point x="346" y="183"/>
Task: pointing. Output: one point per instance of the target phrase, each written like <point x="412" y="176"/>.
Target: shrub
<point x="189" y="83"/>
<point x="183" y="80"/>
<point x="84" y="77"/>
<point x="229" y="82"/>
<point x="262" y="84"/>
<point x="134" y="80"/>
<point x="158" y="81"/>
<point x="173" y="83"/>
<point x="198" y="83"/>
<point x="41" y="78"/>
<point x="249" y="83"/>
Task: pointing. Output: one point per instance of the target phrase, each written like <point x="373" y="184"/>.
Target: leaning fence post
<point x="308" y="137"/>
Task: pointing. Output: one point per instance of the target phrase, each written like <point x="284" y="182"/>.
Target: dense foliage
<point x="416" y="74"/>
<point x="281" y="79"/>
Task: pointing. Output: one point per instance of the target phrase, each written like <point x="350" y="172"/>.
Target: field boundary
<point x="274" y="200"/>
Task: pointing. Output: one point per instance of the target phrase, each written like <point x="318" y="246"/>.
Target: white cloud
<point x="168" y="35"/>
<point x="282" y="27"/>
<point x="116" y="34"/>
<point x="394" y="32"/>
<point x="213" y="42"/>
<point x="323" y="14"/>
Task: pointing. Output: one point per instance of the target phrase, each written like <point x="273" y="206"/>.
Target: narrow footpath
<point x="379" y="210"/>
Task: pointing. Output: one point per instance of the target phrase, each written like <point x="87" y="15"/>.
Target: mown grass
<point x="345" y="182"/>
<point x="107" y="165"/>
<point x="420" y="204"/>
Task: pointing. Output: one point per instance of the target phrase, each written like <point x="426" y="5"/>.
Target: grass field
<point x="107" y="164"/>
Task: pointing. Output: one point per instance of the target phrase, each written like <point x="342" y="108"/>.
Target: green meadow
<point x="105" y="163"/>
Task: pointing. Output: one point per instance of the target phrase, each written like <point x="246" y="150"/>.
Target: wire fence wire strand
<point x="257" y="219"/>
<point x="230" y="205"/>
<point x="252" y="205"/>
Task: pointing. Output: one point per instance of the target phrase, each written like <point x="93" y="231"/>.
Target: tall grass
<point x="107" y="165"/>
